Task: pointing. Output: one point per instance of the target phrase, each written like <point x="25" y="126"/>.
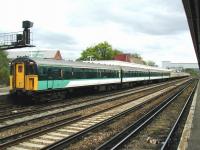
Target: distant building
<point x="179" y="66"/>
<point x="34" y="53"/>
<point x="128" y="58"/>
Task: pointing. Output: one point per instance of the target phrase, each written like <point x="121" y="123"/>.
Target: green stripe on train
<point x="52" y="84"/>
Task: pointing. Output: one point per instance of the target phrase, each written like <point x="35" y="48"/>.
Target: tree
<point x="136" y="55"/>
<point x="116" y="52"/>
<point x="193" y="72"/>
<point x="4" y="68"/>
<point x="151" y="63"/>
<point x="102" y="51"/>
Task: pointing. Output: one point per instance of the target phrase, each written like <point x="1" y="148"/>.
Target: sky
<point x="155" y="29"/>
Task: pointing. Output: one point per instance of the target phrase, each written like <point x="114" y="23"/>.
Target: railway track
<point x="70" y="109"/>
<point x="11" y="112"/>
<point x="72" y="129"/>
<point x="154" y="130"/>
<point x="7" y="123"/>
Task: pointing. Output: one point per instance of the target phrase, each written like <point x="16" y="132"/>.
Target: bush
<point x="4" y="68"/>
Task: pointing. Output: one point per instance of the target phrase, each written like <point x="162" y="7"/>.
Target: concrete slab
<point x="42" y="141"/>
<point x="32" y="145"/>
<point x="58" y="134"/>
<point x="17" y="148"/>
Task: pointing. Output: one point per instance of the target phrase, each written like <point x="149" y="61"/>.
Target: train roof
<point x="116" y="65"/>
<point x="74" y="64"/>
<point x="127" y="65"/>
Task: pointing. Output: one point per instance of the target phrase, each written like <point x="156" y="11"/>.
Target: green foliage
<point x="4" y="68"/>
<point x="151" y="63"/>
<point x="101" y="51"/>
<point x="193" y="72"/>
<point x="104" y="51"/>
<point x="136" y="55"/>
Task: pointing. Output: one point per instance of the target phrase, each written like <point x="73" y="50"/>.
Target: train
<point x="35" y="77"/>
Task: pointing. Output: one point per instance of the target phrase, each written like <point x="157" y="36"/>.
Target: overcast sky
<point x="156" y="29"/>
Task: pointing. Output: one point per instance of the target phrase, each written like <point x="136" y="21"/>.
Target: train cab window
<point x="31" y="69"/>
<point x="20" y="69"/>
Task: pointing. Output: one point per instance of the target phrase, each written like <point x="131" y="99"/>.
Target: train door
<point x="20" y="75"/>
<point x="50" y="83"/>
<point x="50" y="79"/>
<point x="121" y="76"/>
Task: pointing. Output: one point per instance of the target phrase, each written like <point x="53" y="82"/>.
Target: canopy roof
<point x="193" y="16"/>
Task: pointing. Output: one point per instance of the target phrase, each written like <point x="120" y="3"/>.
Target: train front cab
<point x="23" y="76"/>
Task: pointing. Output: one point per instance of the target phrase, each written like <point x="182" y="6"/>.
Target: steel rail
<point x="37" y="110"/>
<point x="20" y="114"/>
<point x="97" y="102"/>
<point x="167" y="140"/>
<point x="65" y="142"/>
<point x="119" y="139"/>
<point x="8" y="141"/>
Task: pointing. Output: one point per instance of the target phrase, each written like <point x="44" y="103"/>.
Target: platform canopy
<point x="192" y="9"/>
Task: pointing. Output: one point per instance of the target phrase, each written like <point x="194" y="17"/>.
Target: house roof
<point x="32" y="52"/>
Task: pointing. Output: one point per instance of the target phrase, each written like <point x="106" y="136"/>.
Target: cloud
<point x="154" y="17"/>
<point x="157" y="29"/>
<point x="52" y="39"/>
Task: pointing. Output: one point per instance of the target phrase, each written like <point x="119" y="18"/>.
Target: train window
<point x="49" y="73"/>
<point x="91" y="73"/>
<point x="56" y="73"/>
<point x="67" y="73"/>
<point x="20" y="68"/>
<point x="77" y="73"/>
<point x="42" y="72"/>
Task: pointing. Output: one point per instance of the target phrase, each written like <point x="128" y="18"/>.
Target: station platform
<point x="190" y="139"/>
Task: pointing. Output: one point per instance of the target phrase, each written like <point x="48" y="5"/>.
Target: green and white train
<point x="30" y="76"/>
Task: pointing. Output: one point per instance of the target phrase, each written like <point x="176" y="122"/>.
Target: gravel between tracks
<point x="15" y="108"/>
<point x="82" y="112"/>
<point x="92" y="140"/>
<point x="155" y="133"/>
